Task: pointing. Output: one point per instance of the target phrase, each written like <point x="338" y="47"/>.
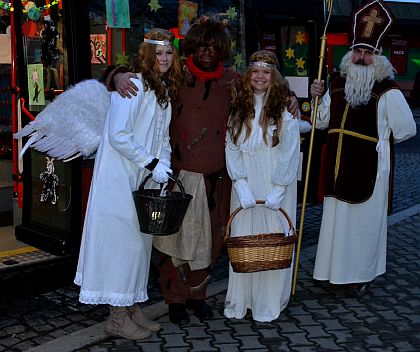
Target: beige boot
<point x="120" y="324"/>
<point x="141" y="319"/>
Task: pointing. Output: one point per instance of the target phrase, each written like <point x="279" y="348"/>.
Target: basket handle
<point x="171" y="176"/>
<point x="237" y="210"/>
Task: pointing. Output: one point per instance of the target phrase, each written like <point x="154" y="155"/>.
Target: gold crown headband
<point x="262" y="64"/>
<point x="157" y="42"/>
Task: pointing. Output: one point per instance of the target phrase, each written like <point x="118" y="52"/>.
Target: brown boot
<point x="120" y="324"/>
<point x="141" y="319"/>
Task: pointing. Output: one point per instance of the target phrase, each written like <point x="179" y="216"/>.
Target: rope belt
<point x="354" y="134"/>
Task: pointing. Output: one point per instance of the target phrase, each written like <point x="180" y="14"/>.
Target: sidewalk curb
<point x="403" y="214"/>
<point x="95" y="333"/>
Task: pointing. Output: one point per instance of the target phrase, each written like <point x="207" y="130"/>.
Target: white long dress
<point x="266" y="293"/>
<point x="114" y="257"/>
<point x="353" y="237"/>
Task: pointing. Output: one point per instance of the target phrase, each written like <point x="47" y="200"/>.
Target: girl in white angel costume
<point x="262" y="156"/>
<point x="114" y="258"/>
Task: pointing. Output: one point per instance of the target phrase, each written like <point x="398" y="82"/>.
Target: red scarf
<point x="203" y="75"/>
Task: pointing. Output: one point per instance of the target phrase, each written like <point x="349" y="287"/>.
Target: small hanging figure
<point x="50" y="182"/>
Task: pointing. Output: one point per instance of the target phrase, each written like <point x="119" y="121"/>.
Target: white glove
<point x="246" y="198"/>
<point x="275" y="197"/>
<point x="160" y="172"/>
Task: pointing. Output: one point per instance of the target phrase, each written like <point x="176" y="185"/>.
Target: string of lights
<point x="6" y="5"/>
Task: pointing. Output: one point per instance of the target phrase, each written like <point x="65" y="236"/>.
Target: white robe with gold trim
<point x="352" y="240"/>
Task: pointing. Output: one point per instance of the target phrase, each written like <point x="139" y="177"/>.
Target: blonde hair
<point x="274" y="101"/>
<point x="165" y="85"/>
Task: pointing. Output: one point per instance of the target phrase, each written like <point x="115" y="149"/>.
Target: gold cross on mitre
<point x="370" y="21"/>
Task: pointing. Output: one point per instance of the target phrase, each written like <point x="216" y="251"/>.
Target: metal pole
<point x="308" y="167"/>
<point x="14" y="96"/>
<point x="109" y="46"/>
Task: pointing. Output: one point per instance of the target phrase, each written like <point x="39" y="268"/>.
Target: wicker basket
<point x="260" y="252"/>
<point x="161" y="215"/>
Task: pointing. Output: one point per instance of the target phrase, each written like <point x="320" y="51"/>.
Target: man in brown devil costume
<point x="197" y="133"/>
<point x="364" y="112"/>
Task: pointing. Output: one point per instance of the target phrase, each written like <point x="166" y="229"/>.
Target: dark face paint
<point x="207" y="57"/>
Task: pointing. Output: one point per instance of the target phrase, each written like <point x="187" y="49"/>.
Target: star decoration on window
<point x="300" y="63"/>
<point x="300" y="37"/>
<point x="233" y="44"/>
<point x="154" y="5"/>
<point x="231" y="13"/>
<point x="238" y="60"/>
<point x="122" y="59"/>
<point x="290" y="53"/>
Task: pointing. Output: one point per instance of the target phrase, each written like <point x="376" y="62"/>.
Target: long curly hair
<point x="205" y="32"/>
<point x="243" y="111"/>
<point x="165" y="85"/>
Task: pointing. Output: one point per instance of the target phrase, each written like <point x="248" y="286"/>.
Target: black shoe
<point x="178" y="314"/>
<point x="201" y="309"/>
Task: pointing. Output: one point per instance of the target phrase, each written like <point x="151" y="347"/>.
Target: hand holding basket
<point x="161" y="215"/>
<point x="260" y="252"/>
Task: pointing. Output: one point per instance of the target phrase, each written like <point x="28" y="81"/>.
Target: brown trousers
<point x="176" y="287"/>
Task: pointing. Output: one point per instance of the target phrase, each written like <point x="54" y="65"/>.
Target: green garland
<point x="7" y="5"/>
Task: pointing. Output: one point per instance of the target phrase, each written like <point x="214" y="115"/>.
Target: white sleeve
<point x="288" y="152"/>
<point x="165" y="154"/>
<point x="323" y="111"/>
<point x="122" y="116"/>
<point x="398" y="113"/>
<point x="234" y="160"/>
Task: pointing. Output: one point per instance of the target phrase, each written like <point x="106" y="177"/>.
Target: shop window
<point x="45" y="55"/>
<point x="169" y="14"/>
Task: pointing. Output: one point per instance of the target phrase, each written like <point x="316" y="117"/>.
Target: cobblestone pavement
<point x="318" y="318"/>
<point x="40" y="308"/>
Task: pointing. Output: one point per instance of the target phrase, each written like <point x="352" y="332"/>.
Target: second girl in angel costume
<point x="114" y="258"/>
<point x="262" y="156"/>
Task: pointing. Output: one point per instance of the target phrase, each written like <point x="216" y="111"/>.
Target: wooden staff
<point x="328" y="8"/>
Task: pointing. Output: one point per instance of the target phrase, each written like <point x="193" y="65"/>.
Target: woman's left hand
<point x="275" y="197"/>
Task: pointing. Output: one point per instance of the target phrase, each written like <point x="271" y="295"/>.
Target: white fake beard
<point x="360" y="79"/>
<point x="359" y="83"/>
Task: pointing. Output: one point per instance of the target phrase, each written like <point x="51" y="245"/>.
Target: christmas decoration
<point x="122" y="59"/>
<point x="49" y="48"/>
<point x="231" y="13"/>
<point x="238" y="61"/>
<point x="290" y="53"/>
<point x="7" y="6"/>
<point x="154" y="5"/>
<point x="300" y="37"/>
<point x="34" y="13"/>
<point x="29" y="5"/>
<point x="50" y="183"/>
<point x="295" y="52"/>
<point x="300" y="63"/>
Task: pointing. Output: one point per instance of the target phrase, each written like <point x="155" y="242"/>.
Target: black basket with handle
<point x="161" y="215"/>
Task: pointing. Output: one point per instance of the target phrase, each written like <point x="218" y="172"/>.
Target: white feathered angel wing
<point x="72" y="124"/>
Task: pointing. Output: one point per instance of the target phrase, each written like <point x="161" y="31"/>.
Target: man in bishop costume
<point x="365" y="113"/>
